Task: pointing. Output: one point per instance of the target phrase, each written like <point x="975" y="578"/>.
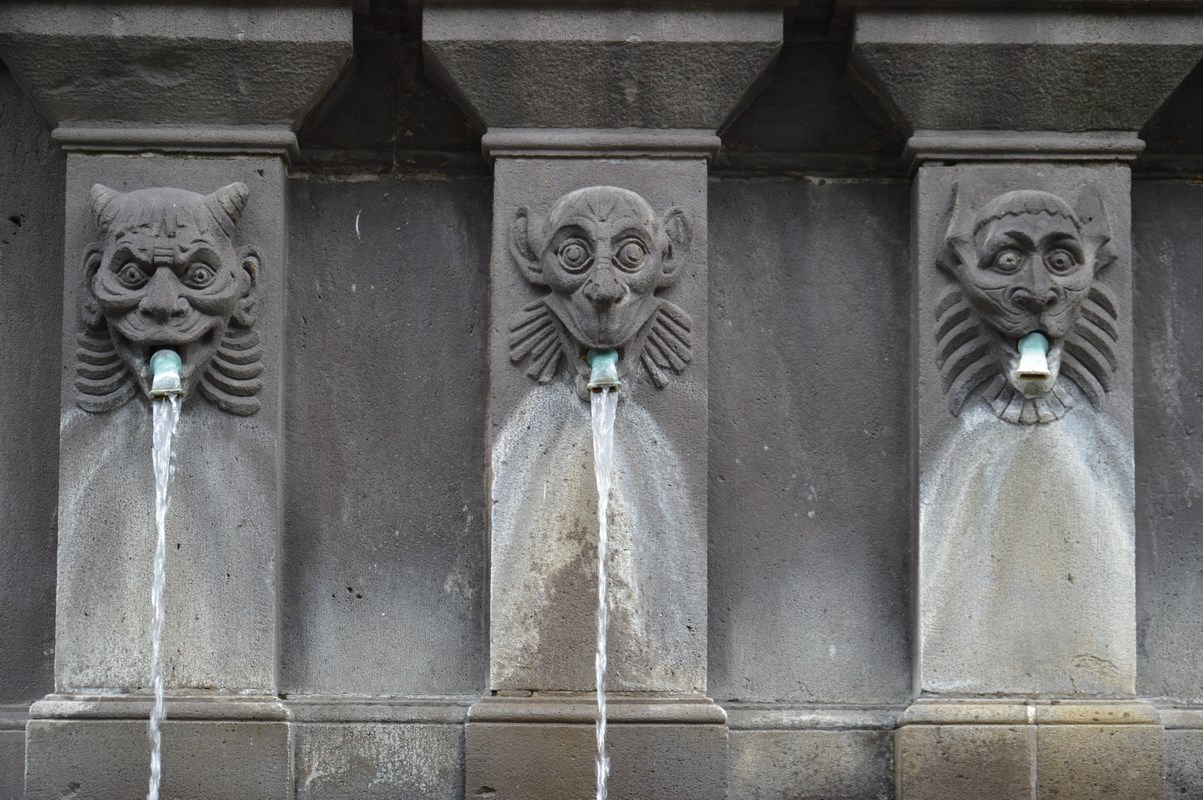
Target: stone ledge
<point x="224" y="140"/>
<point x="434" y="710"/>
<point x="959" y="146"/>
<point x="787" y="717"/>
<point x="582" y="709"/>
<point x="1012" y="712"/>
<point x="1181" y="718"/>
<point x="599" y="143"/>
<point x="136" y="706"/>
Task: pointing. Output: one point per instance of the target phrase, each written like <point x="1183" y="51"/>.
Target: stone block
<point x="12" y="765"/>
<point x="1086" y="762"/>
<point x="1080" y="71"/>
<point x="1026" y="576"/>
<point x="180" y="61"/>
<point x="650" y="67"/>
<point x="379" y="761"/>
<point x="543" y="515"/>
<point x="525" y="761"/>
<point x="811" y="765"/>
<point x="1184" y="765"/>
<point x="223" y="522"/>
<point x="103" y="760"/>
<point x="964" y="762"/>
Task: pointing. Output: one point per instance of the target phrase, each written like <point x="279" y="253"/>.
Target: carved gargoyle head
<point x="1027" y="262"/>
<point x="165" y="273"/>
<point x="603" y="252"/>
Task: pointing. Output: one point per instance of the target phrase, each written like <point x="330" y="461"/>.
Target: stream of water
<point x="604" y="404"/>
<point x="166" y="416"/>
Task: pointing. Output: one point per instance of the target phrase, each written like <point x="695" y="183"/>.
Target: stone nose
<point x="1036" y="294"/>
<point x="162" y="299"/>
<point x="603" y="288"/>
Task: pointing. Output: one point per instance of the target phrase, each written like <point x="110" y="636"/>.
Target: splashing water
<point x="166" y="416"/>
<point x="604" y="404"/>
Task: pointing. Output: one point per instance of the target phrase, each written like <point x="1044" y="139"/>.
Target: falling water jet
<point x="604" y="384"/>
<point x="167" y="397"/>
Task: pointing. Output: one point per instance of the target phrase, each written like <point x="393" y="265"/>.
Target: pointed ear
<point x="226" y="205"/>
<point x="958" y="240"/>
<point x="1096" y="228"/>
<point x="523" y="250"/>
<point x="105" y="202"/>
<point x="675" y="225"/>
<point x="89" y="309"/>
<point x="248" y="305"/>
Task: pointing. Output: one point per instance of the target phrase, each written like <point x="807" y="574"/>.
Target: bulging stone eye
<point x="1061" y="261"/>
<point x="1008" y="261"/>
<point x="574" y="255"/>
<point x="199" y="276"/>
<point x="131" y="275"/>
<point x="631" y="254"/>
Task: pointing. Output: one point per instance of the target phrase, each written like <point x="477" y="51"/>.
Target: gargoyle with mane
<point x="1026" y="269"/>
<point x="603" y="252"/>
<point x="164" y="273"/>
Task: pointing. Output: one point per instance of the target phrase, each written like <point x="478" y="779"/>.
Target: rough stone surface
<point x="543" y="513"/>
<point x="385" y="519"/>
<point x="1184" y="765"/>
<point x="31" y="250"/>
<point x="959" y="762"/>
<point x="201" y="760"/>
<point x="223" y="524"/>
<point x="1169" y="412"/>
<point x="649" y="68"/>
<point x="809" y="435"/>
<point x="379" y="762"/>
<point x="1085" y="762"/>
<point x="527" y="761"/>
<point x="184" y="64"/>
<point x="811" y="765"/>
<point x="1026" y="566"/>
<point x="12" y="765"/>
<point x="1025" y="69"/>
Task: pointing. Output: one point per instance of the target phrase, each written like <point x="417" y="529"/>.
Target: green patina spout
<point x="1033" y="357"/>
<point x="165" y="365"/>
<point x="604" y="366"/>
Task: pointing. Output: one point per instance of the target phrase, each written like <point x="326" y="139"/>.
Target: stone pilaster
<point x="1024" y="124"/>
<point x="599" y="241"/>
<point x="177" y="123"/>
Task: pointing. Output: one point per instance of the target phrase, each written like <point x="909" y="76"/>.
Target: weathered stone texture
<point x="525" y="761"/>
<point x="384" y="542"/>
<point x="1085" y="762"/>
<point x="103" y="760"/>
<point x="350" y="761"/>
<point x="965" y="762"/>
<point x="811" y="765"/>
<point x="1167" y="237"/>
<point x="1184" y="765"/>
<point x="809" y="435"/>
<point x="31" y="250"/>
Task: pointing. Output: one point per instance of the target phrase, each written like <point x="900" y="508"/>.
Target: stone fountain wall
<point x="381" y="577"/>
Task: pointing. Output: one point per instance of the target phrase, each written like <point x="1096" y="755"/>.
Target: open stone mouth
<point x="186" y="347"/>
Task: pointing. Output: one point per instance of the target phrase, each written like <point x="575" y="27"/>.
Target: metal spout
<point x="165" y="365"/>
<point x="604" y="370"/>
<point x="1033" y="357"/>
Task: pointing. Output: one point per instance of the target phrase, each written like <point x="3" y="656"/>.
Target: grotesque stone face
<point x="603" y="253"/>
<point x="165" y="274"/>
<point x="1026" y="263"/>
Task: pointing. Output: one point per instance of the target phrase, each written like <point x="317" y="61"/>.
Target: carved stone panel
<point x="1026" y="262"/>
<point x="164" y="272"/>
<point x="603" y="253"/>
<point x="1026" y="483"/>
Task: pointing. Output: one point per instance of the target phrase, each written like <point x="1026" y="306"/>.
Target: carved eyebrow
<point x="1008" y="239"/>
<point x="126" y="253"/>
<point x="1063" y="238"/>
<point x="641" y="234"/>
